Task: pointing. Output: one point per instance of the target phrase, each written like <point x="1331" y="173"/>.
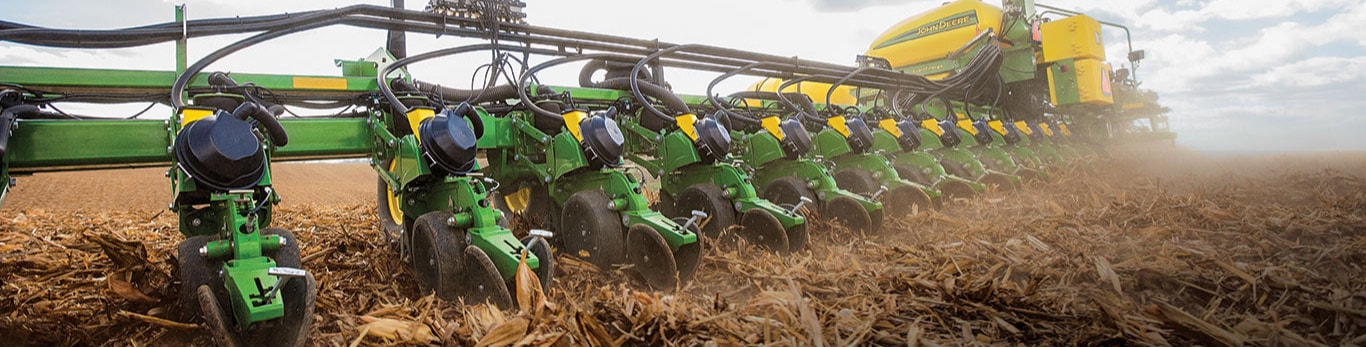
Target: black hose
<point x="7" y="118"/>
<point x="388" y="92"/>
<point x="670" y="100"/>
<point x="525" y="81"/>
<point x="266" y="118"/>
<point x="467" y="111"/>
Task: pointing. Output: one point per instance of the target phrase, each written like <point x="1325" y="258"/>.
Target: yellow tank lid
<point x="936" y="33"/>
<point x="843" y="95"/>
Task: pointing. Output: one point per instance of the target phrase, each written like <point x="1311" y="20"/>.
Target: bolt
<point x="879" y="192"/>
<point x="805" y="200"/>
<point x="392" y="143"/>
<point x="450" y="221"/>
<point x="204" y="251"/>
<point x="283" y="242"/>
<point x="196" y="222"/>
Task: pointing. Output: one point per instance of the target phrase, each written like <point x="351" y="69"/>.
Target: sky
<point x="1238" y="75"/>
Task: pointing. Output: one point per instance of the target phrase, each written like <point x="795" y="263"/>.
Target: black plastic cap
<point x="910" y="135"/>
<point x="221" y="152"/>
<point x="713" y="140"/>
<point x="1012" y="135"/>
<point x="860" y="136"/>
<point x="796" y="140"/>
<point x="950" y="137"/>
<point x="602" y="141"/>
<point x="449" y="144"/>
<point x="983" y="136"/>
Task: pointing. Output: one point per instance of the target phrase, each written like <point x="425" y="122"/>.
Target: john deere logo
<point x="956" y="21"/>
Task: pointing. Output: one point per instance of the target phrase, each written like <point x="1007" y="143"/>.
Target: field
<point x="1149" y="247"/>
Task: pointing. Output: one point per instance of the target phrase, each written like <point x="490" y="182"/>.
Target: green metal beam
<point x="56" y="145"/>
<point x="66" y="80"/>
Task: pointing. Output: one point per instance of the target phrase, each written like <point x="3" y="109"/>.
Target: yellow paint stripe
<point x="319" y="83"/>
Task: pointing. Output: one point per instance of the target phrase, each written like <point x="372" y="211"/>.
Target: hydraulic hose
<point x="266" y="119"/>
<point x="670" y="100"/>
<point x="7" y="118"/>
<point x="525" y="81"/>
<point x="454" y="94"/>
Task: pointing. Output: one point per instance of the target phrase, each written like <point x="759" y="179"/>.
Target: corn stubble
<point x="1097" y="256"/>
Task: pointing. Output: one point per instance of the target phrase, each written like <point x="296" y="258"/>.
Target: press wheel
<point x="438" y="255"/>
<point x="858" y="181"/>
<point x="650" y="258"/>
<point x="913" y="174"/>
<point x="591" y="231"/>
<point x="708" y="198"/>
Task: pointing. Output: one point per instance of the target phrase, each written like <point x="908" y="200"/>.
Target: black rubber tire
<point x="193" y="271"/>
<point x="651" y="259"/>
<point x="437" y="259"/>
<point x="541" y="248"/>
<point x="858" y="181"/>
<point x="954" y="168"/>
<point x="299" y="295"/>
<point x="789" y="191"/>
<point x="481" y="280"/>
<point x="708" y="198"/>
<point x="591" y="231"/>
<point x="913" y="174"/>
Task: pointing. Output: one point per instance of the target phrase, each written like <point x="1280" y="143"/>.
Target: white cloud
<point x="1313" y="72"/>
<point x="1258" y="9"/>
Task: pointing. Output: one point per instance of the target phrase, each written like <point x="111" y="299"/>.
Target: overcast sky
<point x="1239" y="75"/>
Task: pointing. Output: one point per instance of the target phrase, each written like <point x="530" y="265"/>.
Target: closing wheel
<point x="291" y="329"/>
<point x="954" y="189"/>
<point x="651" y="258"/>
<point x="902" y="200"/>
<point x="760" y="228"/>
<point x="482" y="283"/>
<point x="848" y="212"/>
<point x="998" y="182"/>
<point x="541" y="248"/>
<point x="707" y="197"/>
<point x="437" y="257"/>
<point x="1032" y="175"/>
<point x="688" y="257"/>
<point x="387" y="203"/>
<point x="913" y="174"/>
<point x="591" y="231"/>
<point x="787" y="192"/>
